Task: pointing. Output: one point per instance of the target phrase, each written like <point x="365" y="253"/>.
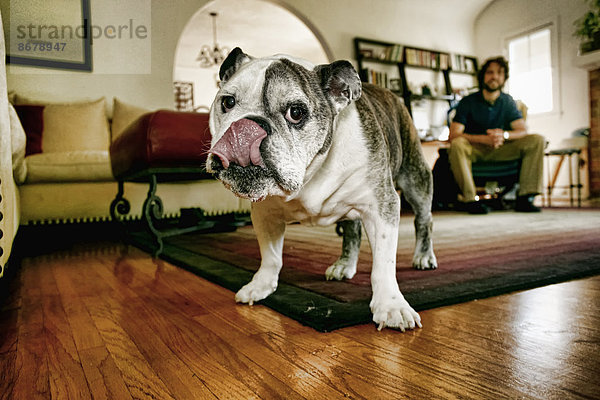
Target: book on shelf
<point x="426" y="58"/>
<point x="444" y="61"/>
<point x="469" y="65"/>
<point x="397" y="53"/>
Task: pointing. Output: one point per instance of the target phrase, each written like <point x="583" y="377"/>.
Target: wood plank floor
<point x="106" y="321"/>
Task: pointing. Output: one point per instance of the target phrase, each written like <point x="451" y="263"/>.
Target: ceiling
<point x="253" y="28"/>
<point x="465" y="10"/>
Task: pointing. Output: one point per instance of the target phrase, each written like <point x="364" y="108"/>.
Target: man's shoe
<point x="476" y="207"/>
<point x="525" y="204"/>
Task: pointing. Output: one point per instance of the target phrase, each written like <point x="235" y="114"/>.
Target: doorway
<point x="259" y="27"/>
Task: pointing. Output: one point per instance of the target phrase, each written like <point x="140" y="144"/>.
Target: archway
<point x="259" y="27"/>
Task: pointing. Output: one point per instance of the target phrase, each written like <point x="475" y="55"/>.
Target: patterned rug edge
<point x="325" y="314"/>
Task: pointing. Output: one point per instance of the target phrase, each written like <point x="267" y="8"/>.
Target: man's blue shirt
<point x="477" y="115"/>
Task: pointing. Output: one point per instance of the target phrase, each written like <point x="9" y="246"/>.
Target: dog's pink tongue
<point x="240" y="144"/>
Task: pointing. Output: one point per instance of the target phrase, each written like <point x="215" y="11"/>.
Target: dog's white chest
<point x="339" y="187"/>
<point x="314" y="214"/>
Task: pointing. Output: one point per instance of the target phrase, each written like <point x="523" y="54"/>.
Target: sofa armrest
<point x="159" y="139"/>
<point x="9" y="220"/>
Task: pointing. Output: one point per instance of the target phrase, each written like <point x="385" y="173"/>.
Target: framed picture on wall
<point x="48" y="33"/>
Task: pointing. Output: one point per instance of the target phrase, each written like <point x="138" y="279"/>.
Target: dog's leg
<point x="388" y="305"/>
<point x="345" y="266"/>
<point x="269" y="231"/>
<point x="417" y="187"/>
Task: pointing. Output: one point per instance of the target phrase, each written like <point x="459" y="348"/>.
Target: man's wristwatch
<point x="506" y="135"/>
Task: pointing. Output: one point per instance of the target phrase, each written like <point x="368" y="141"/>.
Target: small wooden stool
<point x="562" y="153"/>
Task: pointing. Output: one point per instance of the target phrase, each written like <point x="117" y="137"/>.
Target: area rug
<point x="479" y="256"/>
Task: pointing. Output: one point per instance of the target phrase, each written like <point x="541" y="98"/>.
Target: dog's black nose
<point x="262" y="123"/>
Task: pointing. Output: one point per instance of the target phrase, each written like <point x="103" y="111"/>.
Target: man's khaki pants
<point x="530" y="149"/>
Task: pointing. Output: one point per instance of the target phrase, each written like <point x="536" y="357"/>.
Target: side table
<point x="152" y="209"/>
<point x="162" y="146"/>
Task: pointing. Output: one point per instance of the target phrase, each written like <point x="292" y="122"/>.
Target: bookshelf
<point x="385" y="64"/>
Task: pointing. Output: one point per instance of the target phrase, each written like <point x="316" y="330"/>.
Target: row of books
<point x="463" y="64"/>
<point x="425" y="58"/>
<point x="378" y="78"/>
<point x="422" y="58"/>
<point x="384" y="53"/>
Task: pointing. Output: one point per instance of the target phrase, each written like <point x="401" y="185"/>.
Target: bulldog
<point x="312" y="144"/>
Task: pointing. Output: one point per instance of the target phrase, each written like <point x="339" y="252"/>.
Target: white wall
<point x="425" y="25"/>
<point x="152" y="90"/>
<point x="504" y="18"/>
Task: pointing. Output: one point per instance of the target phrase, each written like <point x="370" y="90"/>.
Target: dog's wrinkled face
<point x="270" y="119"/>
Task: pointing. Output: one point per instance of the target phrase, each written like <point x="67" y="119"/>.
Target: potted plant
<point x="587" y="28"/>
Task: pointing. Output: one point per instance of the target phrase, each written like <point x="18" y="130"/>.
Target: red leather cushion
<point x="162" y="138"/>
<point x="32" y="120"/>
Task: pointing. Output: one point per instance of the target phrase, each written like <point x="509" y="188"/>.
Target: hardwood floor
<point x="106" y="321"/>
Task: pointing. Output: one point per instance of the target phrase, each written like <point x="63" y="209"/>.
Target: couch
<point x="69" y="176"/>
<point x="63" y="171"/>
<point x="55" y="166"/>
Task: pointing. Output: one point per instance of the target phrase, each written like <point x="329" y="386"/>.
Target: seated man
<point x="488" y="126"/>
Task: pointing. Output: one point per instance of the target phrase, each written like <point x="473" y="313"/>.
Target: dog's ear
<point x="340" y="82"/>
<point x="232" y="63"/>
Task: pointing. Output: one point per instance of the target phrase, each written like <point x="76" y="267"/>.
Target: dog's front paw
<point x="425" y="260"/>
<point x="341" y="269"/>
<point x="394" y="313"/>
<point x="256" y="290"/>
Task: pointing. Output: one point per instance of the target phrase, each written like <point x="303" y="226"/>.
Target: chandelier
<point x="214" y="55"/>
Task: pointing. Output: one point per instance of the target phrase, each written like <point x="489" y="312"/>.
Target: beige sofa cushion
<point x="73" y="126"/>
<point x="123" y="115"/>
<point x="72" y="166"/>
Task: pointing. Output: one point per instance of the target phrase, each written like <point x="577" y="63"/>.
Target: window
<point x="532" y="78"/>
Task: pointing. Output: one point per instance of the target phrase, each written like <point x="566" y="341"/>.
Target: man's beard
<point x="492" y="89"/>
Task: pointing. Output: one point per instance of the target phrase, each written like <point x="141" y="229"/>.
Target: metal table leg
<point x="152" y="211"/>
<point x="120" y="205"/>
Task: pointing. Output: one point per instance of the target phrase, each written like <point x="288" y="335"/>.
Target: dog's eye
<point x="227" y="103"/>
<point x="295" y="114"/>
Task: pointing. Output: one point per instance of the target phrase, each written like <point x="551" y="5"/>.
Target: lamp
<point x="212" y="56"/>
